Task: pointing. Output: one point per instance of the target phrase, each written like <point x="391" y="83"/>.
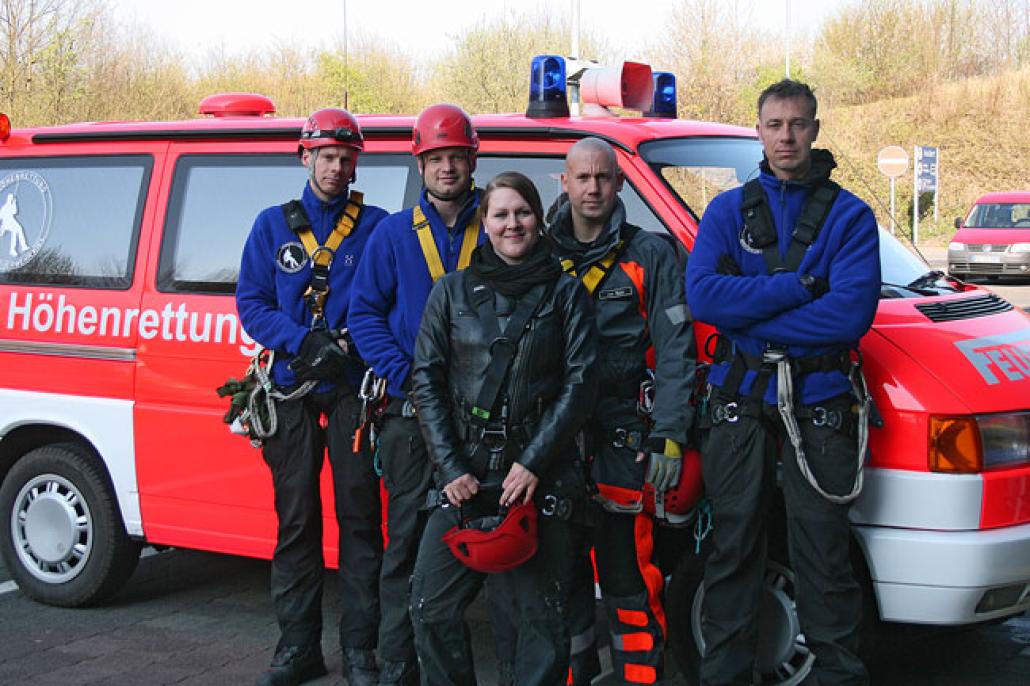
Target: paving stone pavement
<point x="200" y="619"/>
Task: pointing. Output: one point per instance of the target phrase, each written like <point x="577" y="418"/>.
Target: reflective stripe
<point x="639" y="674"/>
<point x="323" y="254"/>
<point x="633" y="643"/>
<point x="582" y="641"/>
<point x="631" y="617"/>
<point x="432" y="256"/>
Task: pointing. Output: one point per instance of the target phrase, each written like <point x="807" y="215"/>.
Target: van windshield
<point x="697" y="169"/>
<point x="1000" y="215"/>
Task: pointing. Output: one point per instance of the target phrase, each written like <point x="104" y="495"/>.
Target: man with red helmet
<point x="408" y="252"/>
<point x="293" y="296"/>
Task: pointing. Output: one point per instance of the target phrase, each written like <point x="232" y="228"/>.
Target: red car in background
<point x="994" y="239"/>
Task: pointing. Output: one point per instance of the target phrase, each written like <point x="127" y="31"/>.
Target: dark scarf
<point x="514" y="280"/>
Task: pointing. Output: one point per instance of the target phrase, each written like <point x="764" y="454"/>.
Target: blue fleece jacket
<point x="392" y="286"/>
<point x="757" y="309"/>
<point x="270" y="291"/>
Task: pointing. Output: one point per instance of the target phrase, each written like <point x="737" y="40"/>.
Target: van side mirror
<point x="958" y="222"/>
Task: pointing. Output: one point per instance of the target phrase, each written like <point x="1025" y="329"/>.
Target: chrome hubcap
<point x="52" y="528"/>
<point x="783" y="658"/>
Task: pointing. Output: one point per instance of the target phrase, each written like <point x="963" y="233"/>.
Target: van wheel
<point x="61" y="536"/>
<point x="782" y="657"/>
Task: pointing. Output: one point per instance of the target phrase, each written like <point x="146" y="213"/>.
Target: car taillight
<point x="955" y="445"/>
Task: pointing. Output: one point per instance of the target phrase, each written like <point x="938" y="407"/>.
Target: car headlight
<point x="1005" y="438"/>
<point x="967" y="445"/>
<point x="1020" y="247"/>
<point x="956" y="246"/>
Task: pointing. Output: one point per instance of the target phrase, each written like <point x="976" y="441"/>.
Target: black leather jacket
<point x="551" y="385"/>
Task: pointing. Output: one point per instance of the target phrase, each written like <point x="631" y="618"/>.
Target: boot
<point x="398" y="674"/>
<point x="359" y="667"/>
<point x="294" y="665"/>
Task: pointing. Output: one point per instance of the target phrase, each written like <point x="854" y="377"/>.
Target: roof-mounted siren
<point x="236" y="105"/>
<point x="5" y="127"/>
<point x="663" y="104"/>
<point x="628" y="85"/>
<point x="547" y="96"/>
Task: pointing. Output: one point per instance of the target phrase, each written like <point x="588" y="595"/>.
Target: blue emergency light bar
<point x="664" y="103"/>
<point x="547" y="97"/>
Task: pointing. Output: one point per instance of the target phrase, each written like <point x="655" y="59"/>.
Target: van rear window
<point x="215" y="199"/>
<point x="71" y="221"/>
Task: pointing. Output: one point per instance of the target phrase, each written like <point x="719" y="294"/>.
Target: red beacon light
<point x="236" y="105"/>
<point x="5" y="127"/>
<point x="556" y="83"/>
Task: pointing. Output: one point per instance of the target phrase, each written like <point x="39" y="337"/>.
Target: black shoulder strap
<point x="810" y="223"/>
<point x="503" y="346"/>
<point x="296" y="217"/>
<point x="761" y="230"/>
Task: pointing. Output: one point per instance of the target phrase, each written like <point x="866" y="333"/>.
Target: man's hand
<point x="816" y="285"/>
<point x="461" y="489"/>
<point x="663" y="470"/>
<point x="728" y="266"/>
<point x="519" y="485"/>
<point x="320" y="357"/>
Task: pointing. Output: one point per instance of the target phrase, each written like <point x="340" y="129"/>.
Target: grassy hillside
<point x="981" y="126"/>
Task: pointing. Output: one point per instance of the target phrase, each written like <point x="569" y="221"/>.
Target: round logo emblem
<point x="26" y="212"/>
<point x="747" y="241"/>
<point x="291" y="257"/>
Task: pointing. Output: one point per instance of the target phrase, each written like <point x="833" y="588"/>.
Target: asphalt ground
<point x="200" y="619"/>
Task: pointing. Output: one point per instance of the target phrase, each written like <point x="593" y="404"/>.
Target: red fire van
<point x="119" y="252"/>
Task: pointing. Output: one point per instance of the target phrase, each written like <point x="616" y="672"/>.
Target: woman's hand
<point x="461" y="489"/>
<point x="519" y="485"/>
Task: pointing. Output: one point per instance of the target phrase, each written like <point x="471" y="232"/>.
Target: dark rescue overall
<point x="823" y="447"/>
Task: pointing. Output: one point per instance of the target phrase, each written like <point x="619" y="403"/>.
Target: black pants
<point x="739" y="468"/>
<point x="295" y="455"/>
<point x="407" y="477"/>
<point x="443" y="588"/>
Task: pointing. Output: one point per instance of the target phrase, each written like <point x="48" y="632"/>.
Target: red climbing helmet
<point x="681" y="498"/>
<point x="497" y="543"/>
<point x="330" y="126"/>
<point x="443" y="126"/>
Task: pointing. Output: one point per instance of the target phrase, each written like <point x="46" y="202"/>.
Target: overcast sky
<point x="419" y="27"/>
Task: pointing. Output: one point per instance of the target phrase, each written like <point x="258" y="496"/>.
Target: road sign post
<point x="924" y="180"/>
<point x="893" y="162"/>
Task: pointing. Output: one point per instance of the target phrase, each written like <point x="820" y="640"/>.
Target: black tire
<point x="783" y="659"/>
<point x="61" y="532"/>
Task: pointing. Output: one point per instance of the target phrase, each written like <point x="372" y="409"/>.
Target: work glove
<point x="816" y="285"/>
<point x="663" y="469"/>
<point x="320" y="357"/>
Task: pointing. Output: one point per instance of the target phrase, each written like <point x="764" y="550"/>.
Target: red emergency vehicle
<point x="119" y="251"/>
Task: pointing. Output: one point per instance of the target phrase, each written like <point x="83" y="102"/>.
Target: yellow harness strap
<point x="597" y="271"/>
<point x="425" y="238"/>
<point x="322" y="255"/>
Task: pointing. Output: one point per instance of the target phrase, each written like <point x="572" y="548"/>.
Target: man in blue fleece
<point x="409" y="251"/>
<point x="787" y="269"/>
<point x="294" y="288"/>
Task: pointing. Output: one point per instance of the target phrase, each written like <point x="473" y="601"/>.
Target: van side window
<point x="545" y="172"/>
<point x="215" y="199"/>
<point x="71" y="221"/>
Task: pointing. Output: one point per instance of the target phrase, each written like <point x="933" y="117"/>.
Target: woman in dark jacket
<point x="500" y="412"/>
